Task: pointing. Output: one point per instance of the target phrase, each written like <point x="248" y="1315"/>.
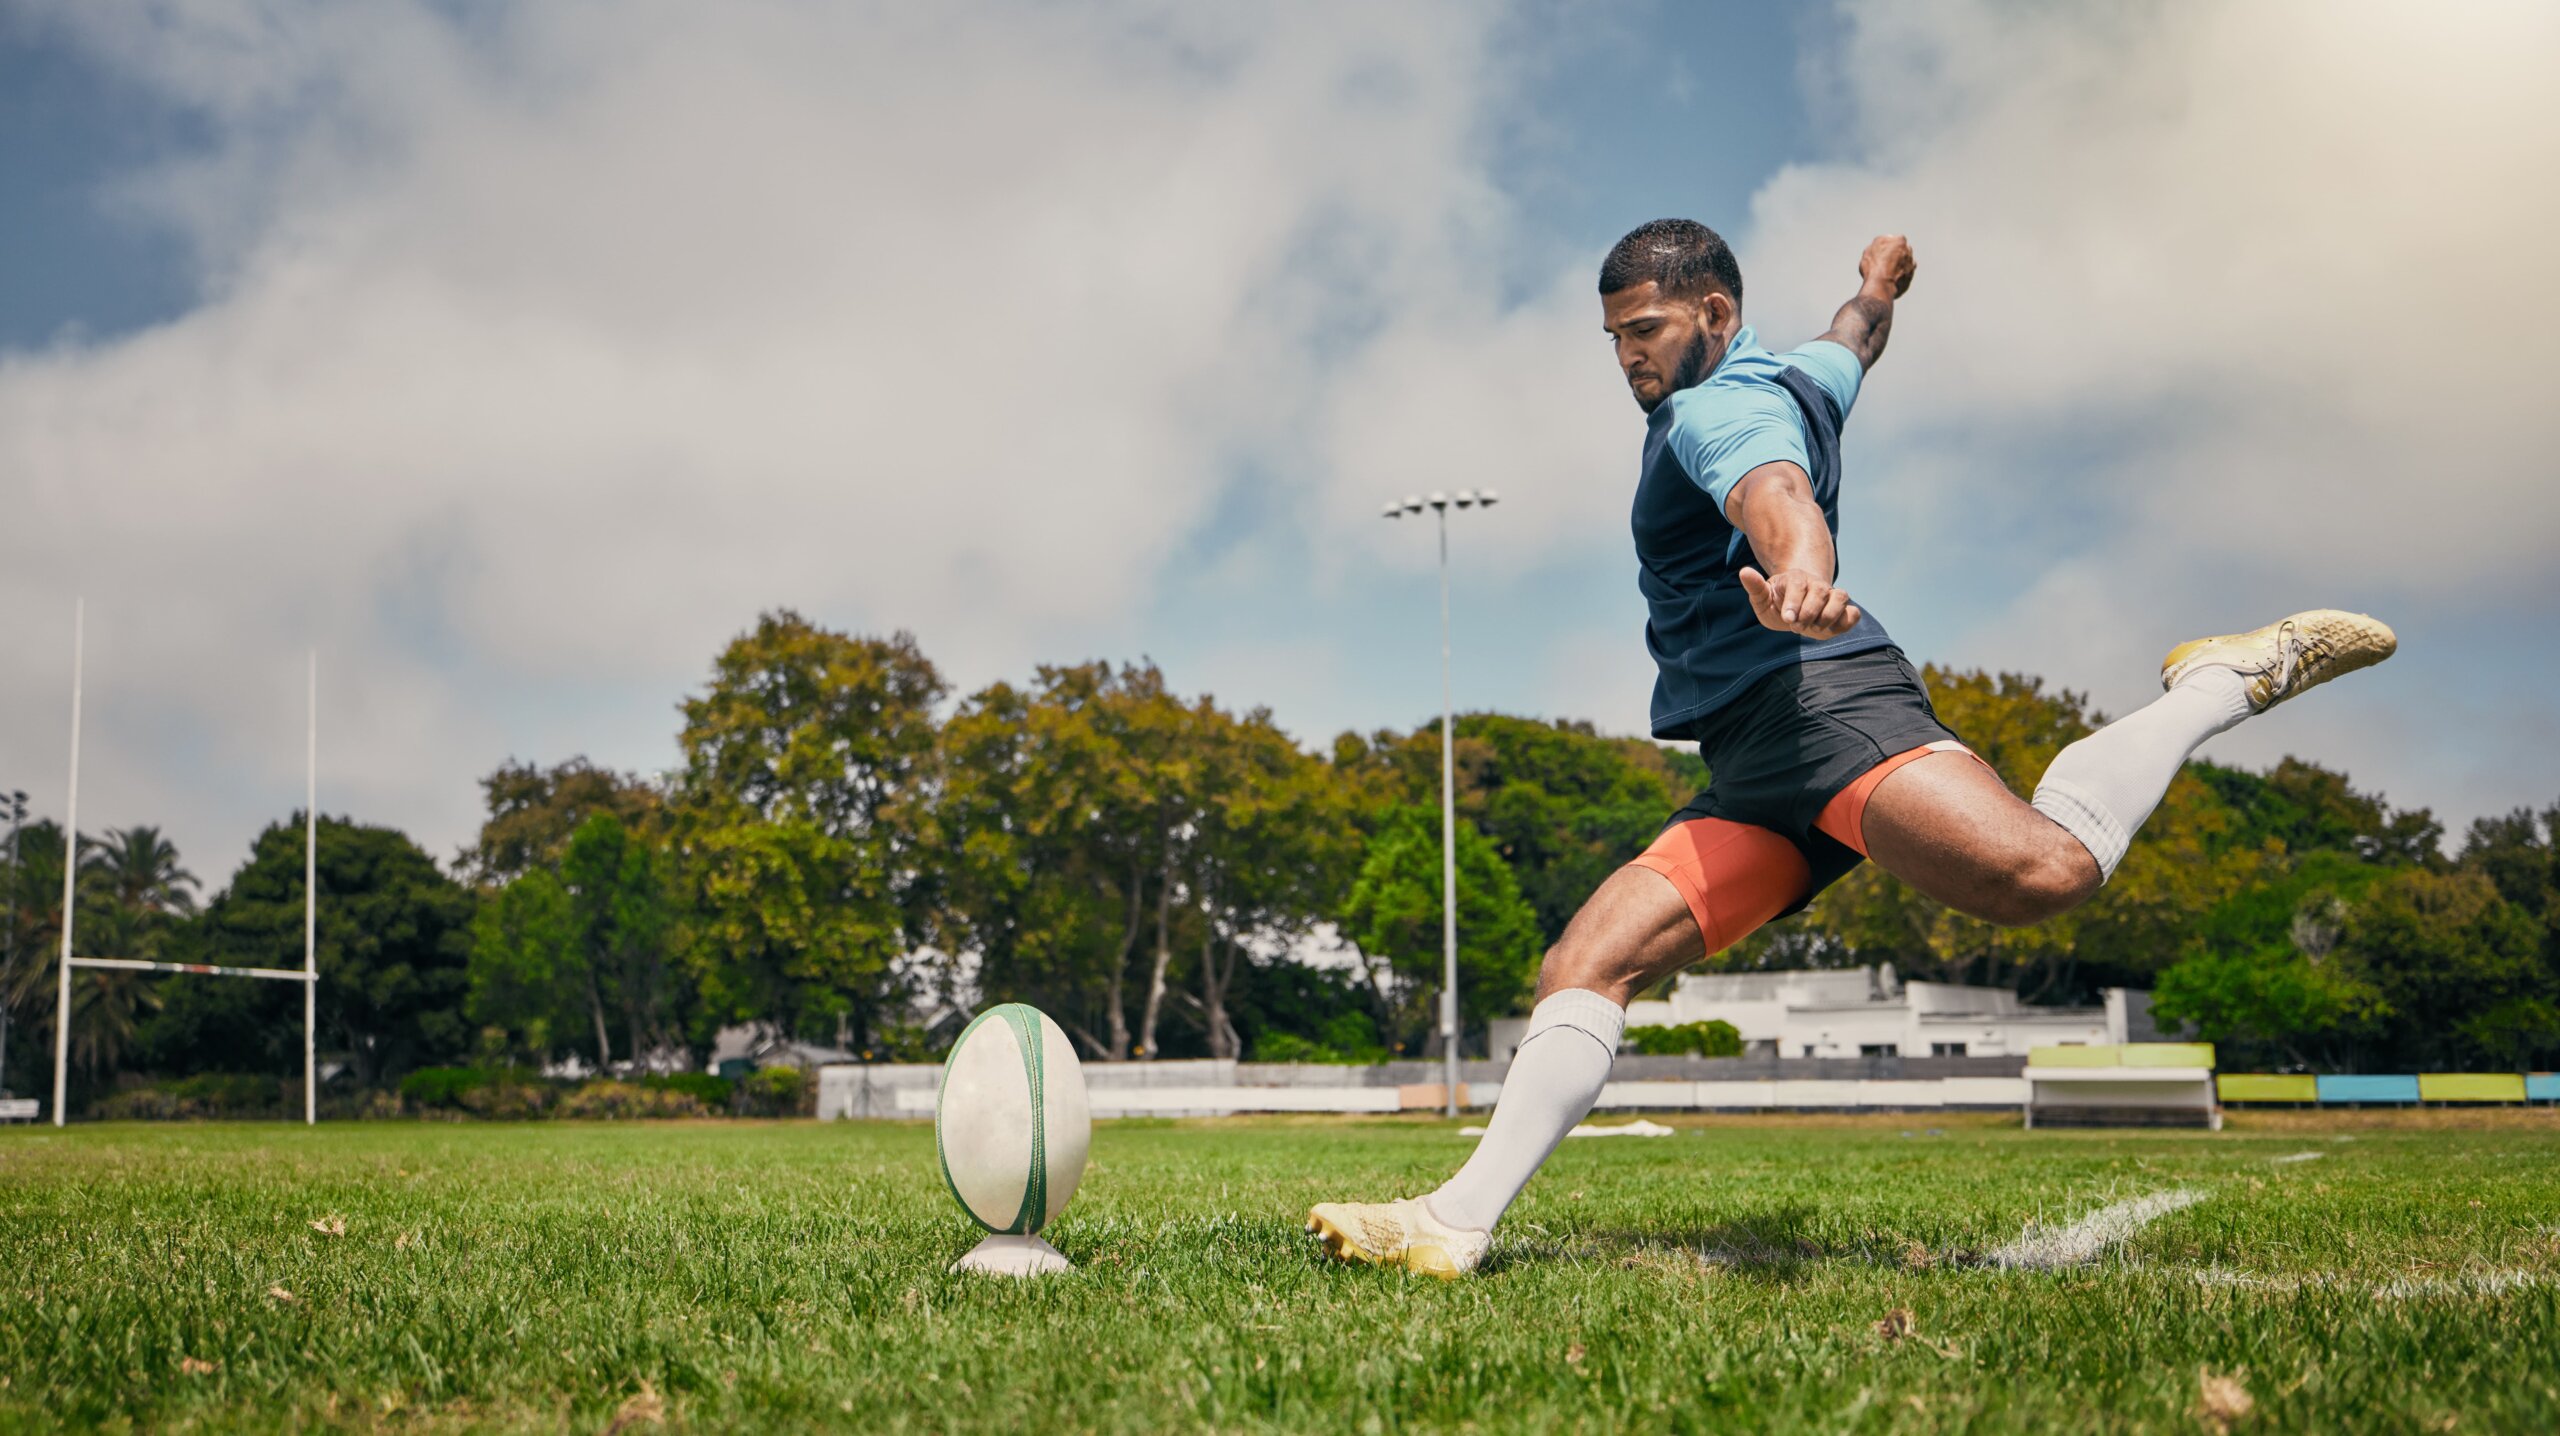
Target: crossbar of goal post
<point x="308" y="974"/>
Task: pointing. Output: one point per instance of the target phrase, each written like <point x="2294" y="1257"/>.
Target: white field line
<point x="2042" y="1249"/>
<point x="2481" y="1283"/>
<point x="2297" y="1157"/>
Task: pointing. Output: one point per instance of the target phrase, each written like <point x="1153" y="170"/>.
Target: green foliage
<point x="1563" y="805"/>
<point x="1712" y="1038"/>
<point x="1350" y="1038"/>
<point x="205" y="1096"/>
<point x="1394" y="914"/>
<point x="2268" y="1003"/>
<point x="533" y="811"/>
<point x="2463" y="972"/>
<point x="440" y="1086"/>
<point x="779" y="1091"/>
<point x="801" y="822"/>
<point x="712" y="1092"/>
<point x="624" y="1101"/>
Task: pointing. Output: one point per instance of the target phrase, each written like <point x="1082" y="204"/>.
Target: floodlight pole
<point x="70" y="871"/>
<point x="310" y="899"/>
<point x="1440" y="504"/>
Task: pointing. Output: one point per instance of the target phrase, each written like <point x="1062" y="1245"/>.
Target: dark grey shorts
<point x="1777" y="755"/>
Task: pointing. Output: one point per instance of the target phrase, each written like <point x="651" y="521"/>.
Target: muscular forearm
<point x="1786" y="528"/>
<point x="1864" y="324"/>
<point x="1774" y="507"/>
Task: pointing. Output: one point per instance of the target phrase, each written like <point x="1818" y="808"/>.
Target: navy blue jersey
<point x="1756" y="408"/>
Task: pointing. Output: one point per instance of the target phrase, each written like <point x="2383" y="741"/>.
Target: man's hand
<point x="1866" y="321"/>
<point x="1887" y="266"/>
<point x="1798" y="602"/>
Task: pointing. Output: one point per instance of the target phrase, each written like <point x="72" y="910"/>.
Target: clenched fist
<point x="1887" y="263"/>
<point x="1794" y="601"/>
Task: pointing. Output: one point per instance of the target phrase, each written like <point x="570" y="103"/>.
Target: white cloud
<point x="2221" y="310"/>
<point x="541" y="348"/>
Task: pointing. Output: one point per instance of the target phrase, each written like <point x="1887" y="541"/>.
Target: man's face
<point x="1665" y="345"/>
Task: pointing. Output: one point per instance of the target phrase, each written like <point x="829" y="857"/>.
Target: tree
<point x="2304" y="807"/>
<point x="2271" y="998"/>
<point x="1393" y="914"/>
<point x="617" y="885"/>
<point x="800" y="823"/>
<point x="393" y="950"/>
<point x="2460" y="968"/>
<point x="533" y="811"/>
<point x="1272" y="853"/>
<point x="1564" y="806"/>
<point x="523" y="945"/>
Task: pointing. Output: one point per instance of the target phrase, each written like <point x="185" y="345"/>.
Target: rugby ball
<point x="1011" y="1124"/>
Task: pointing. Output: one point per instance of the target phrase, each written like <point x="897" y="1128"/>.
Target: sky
<point x="515" y="357"/>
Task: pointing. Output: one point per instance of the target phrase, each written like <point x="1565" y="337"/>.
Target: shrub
<point x="440" y="1086"/>
<point x="714" y="1093"/>
<point x="1290" y="1047"/>
<point x="616" y="1101"/>
<point x="508" y="1094"/>
<point x="205" y="1096"/>
<point x="777" y="1091"/>
<point x="1716" y="1038"/>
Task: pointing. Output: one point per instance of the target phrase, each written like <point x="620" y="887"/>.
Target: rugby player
<point x="1821" y="744"/>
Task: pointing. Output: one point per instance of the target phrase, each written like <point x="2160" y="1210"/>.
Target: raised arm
<point x="1774" y="506"/>
<point x="1866" y="321"/>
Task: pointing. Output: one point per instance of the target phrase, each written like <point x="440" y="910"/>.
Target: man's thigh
<point x="1947" y="825"/>
<point x="1702" y="886"/>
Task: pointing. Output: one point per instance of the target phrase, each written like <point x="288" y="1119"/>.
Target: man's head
<point x="1671" y="296"/>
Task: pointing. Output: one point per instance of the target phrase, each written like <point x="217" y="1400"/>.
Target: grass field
<point x="2345" y="1274"/>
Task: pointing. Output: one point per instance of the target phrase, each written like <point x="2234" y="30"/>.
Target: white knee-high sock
<point x="2101" y="788"/>
<point x="1555" y="1077"/>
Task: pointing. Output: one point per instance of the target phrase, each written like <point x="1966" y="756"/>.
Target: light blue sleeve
<point x="1721" y="432"/>
<point x="1832" y="366"/>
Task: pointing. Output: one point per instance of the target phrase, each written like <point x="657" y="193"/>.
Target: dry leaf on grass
<point x="1916" y="1257"/>
<point x="402" y="1244"/>
<point x="643" y="1407"/>
<point x="2221" y="1401"/>
<point x="332" y="1225"/>
<point x="1573" y="1354"/>
<point x="193" y="1367"/>
<point x="279" y="1293"/>
<point x="1899" y="1325"/>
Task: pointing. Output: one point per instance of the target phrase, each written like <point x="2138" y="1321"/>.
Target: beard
<point x="1694" y="363"/>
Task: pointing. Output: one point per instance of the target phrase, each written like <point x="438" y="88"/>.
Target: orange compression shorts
<point x="1736" y="876"/>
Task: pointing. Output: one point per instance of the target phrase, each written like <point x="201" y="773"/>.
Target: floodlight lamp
<point x="1466" y="498"/>
<point x="1487" y="497"/>
<point x="1439" y="500"/>
<point x="1394" y="511"/>
<point x="1413" y="503"/>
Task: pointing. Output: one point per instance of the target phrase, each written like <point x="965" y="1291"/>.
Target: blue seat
<point x="2364" y="1088"/>
<point x="2542" y="1087"/>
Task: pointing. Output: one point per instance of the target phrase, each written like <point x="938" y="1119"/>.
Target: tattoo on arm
<point x="1862" y="326"/>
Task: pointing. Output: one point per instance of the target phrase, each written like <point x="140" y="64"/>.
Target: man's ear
<point x="1718" y="311"/>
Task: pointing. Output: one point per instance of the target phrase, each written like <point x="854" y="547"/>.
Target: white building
<point x="1870" y="1012"/>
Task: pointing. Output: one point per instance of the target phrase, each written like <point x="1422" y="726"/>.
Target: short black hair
<point x="1683" y="256"/>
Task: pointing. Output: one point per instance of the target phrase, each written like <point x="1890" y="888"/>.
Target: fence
<point x="1210" y="1087"/>
<point x="2303" y="1089"/>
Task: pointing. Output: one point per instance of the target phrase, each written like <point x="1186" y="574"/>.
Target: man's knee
<point x="2042" y="883"/>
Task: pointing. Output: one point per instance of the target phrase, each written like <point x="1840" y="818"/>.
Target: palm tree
<point x="140" y="871"/>
<point x="27" y="984"/>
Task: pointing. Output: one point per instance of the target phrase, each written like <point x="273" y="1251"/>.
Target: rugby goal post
<point x="308" y="974"/>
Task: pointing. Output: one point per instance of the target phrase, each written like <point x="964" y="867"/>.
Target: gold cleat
<point x="1401" y="1234"/>
<point x="2287" y="656"/>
